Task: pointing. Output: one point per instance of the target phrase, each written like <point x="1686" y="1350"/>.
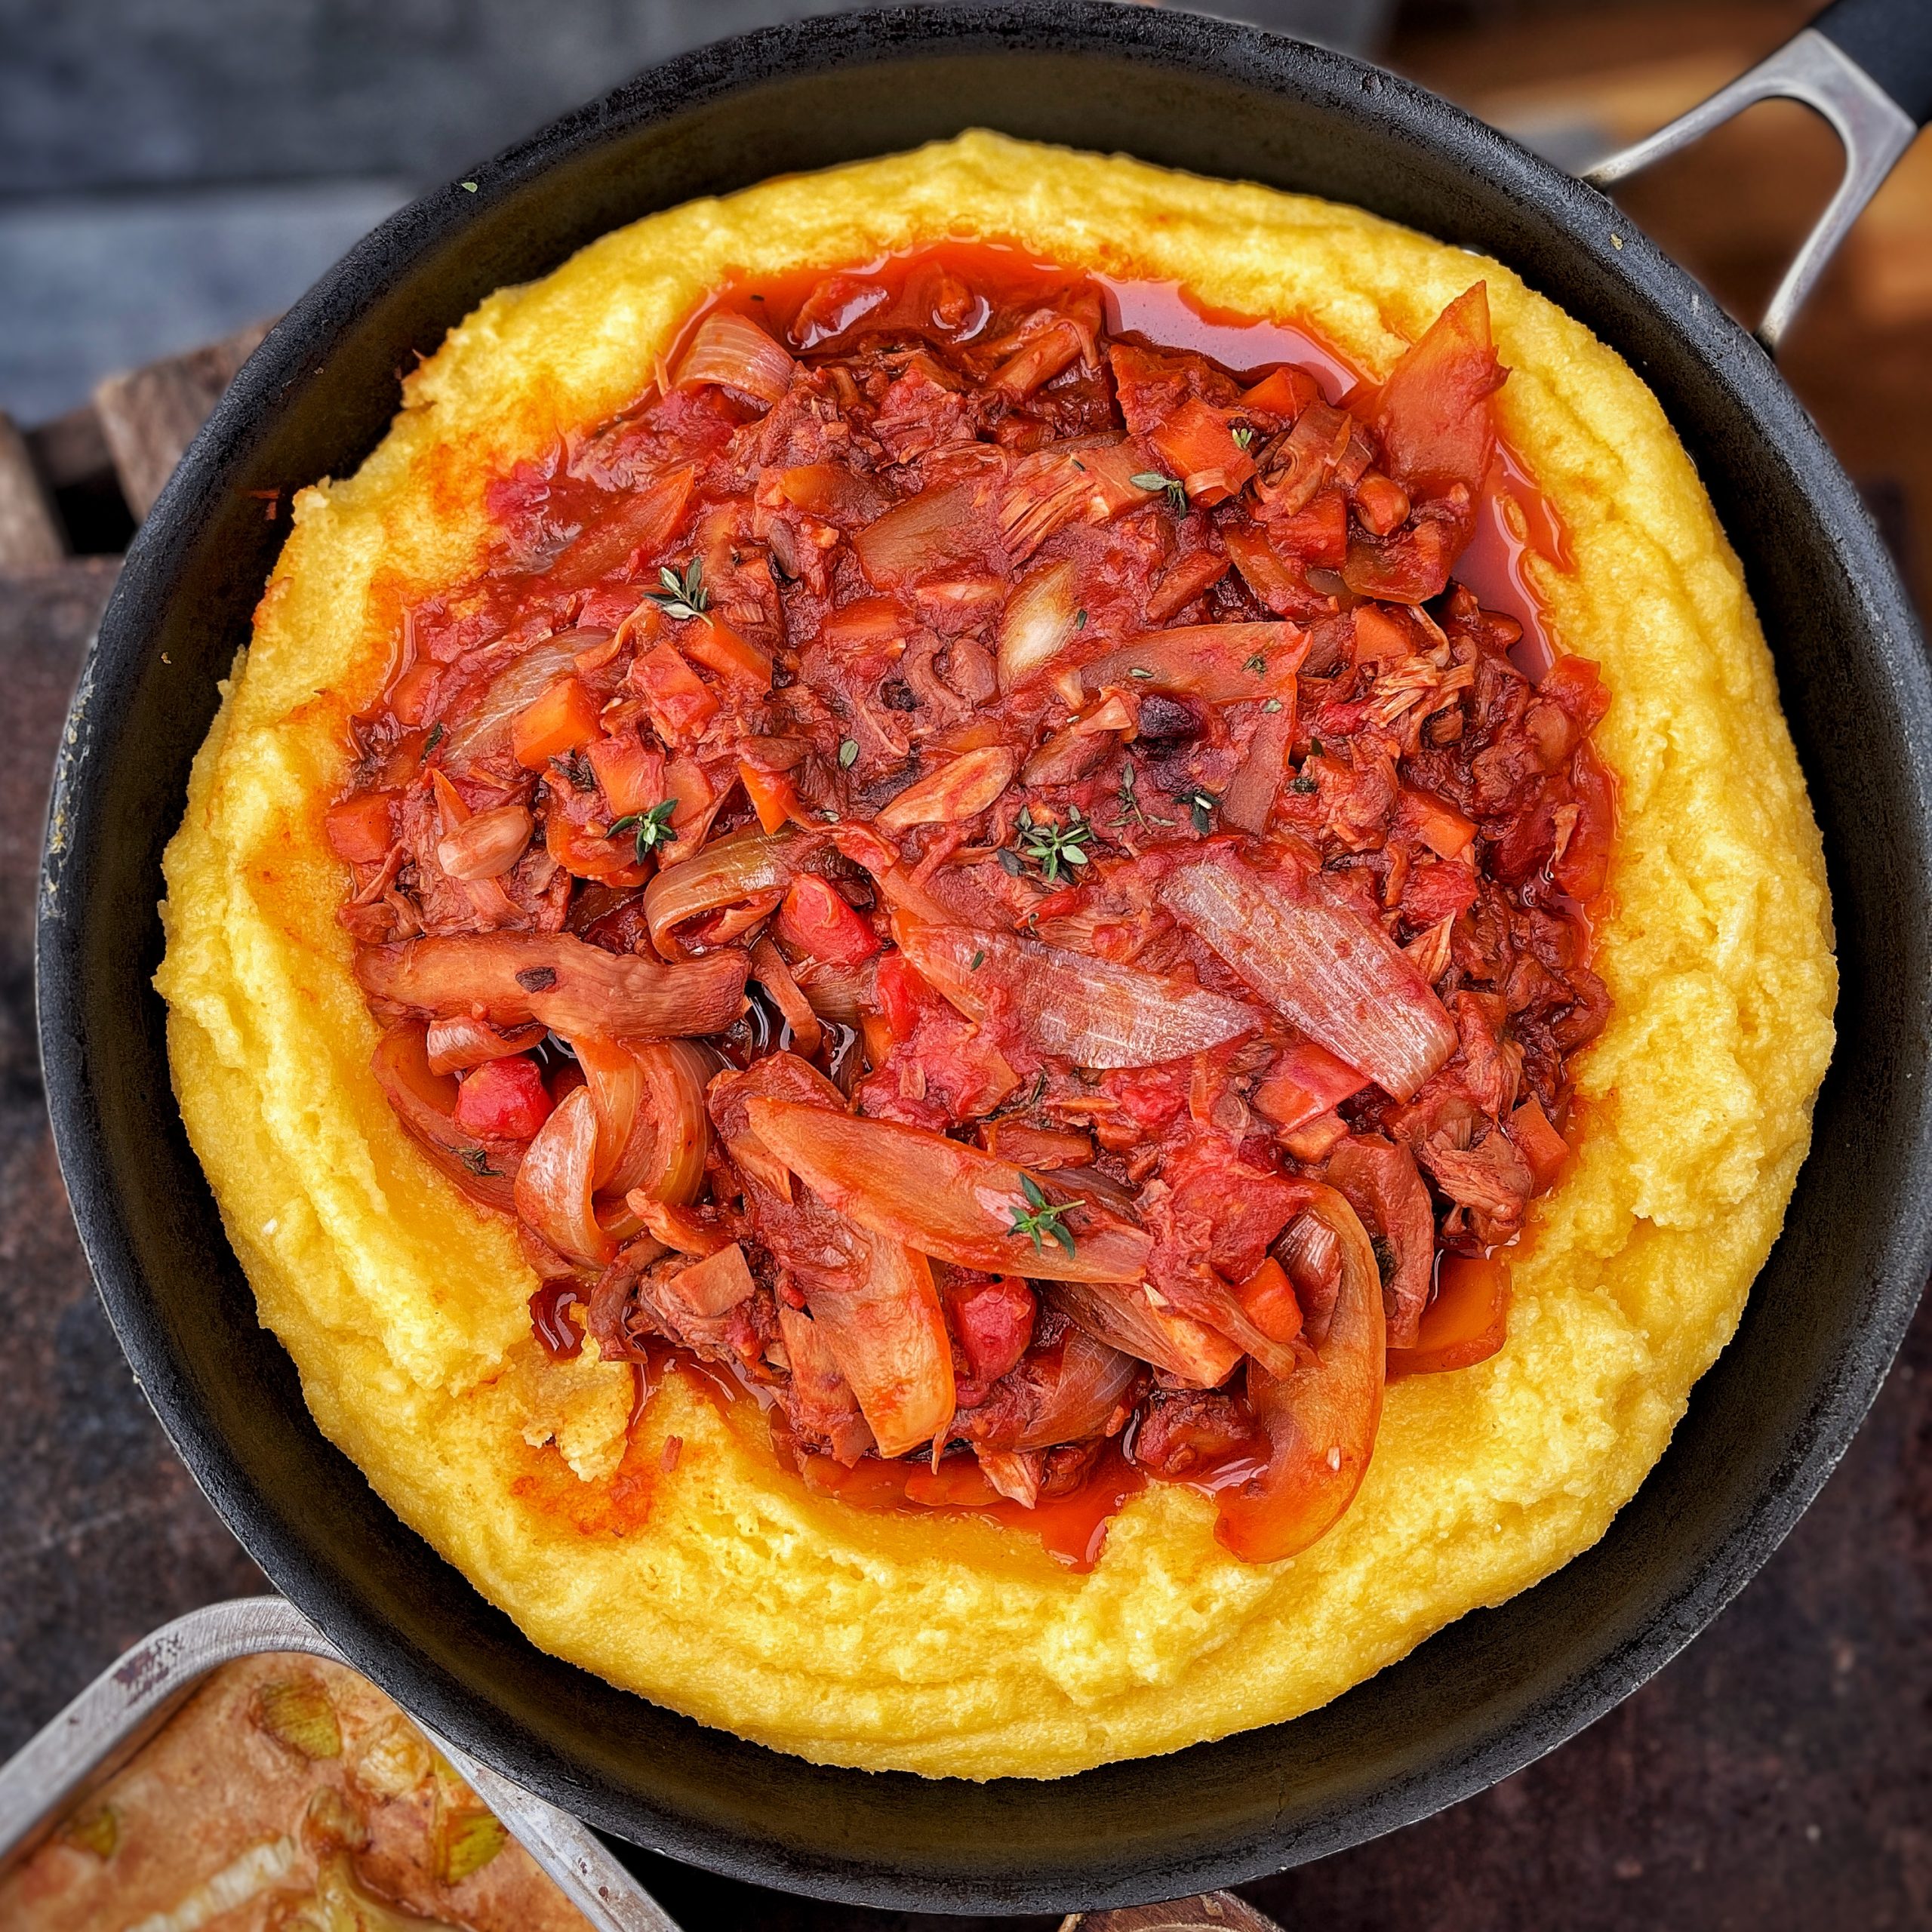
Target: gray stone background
<point x="172" y="169"/>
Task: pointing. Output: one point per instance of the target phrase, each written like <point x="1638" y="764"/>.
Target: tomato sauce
<point x="996" y="864"/>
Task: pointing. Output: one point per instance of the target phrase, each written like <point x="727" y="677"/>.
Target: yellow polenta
<point x="722" y="1589"/>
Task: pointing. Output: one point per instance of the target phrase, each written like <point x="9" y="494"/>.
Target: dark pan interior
<point x="1477" y="1701"/>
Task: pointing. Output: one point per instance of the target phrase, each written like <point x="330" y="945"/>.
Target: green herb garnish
<point x="1257" y="664"/>
<point x="848" y="753"/>
<point x="1040" y="1217"/>
<point x="1049" y="846"/>
<point x="978" y="960"/>
<point x="1244" y="435"/>
<point x="1174" y="489"/>
<point x="437" y="734"/>
<point x="683" y="597"/>
<point x="651" y="829"/>
<point x="477" y="1161"/>
<point x="1200" y="806"/>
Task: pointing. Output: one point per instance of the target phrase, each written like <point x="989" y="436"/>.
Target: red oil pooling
<point x="1072" y="1528"/>
<point x="1515" y="521"/>
<point x="550" y="1320"/>
<point x="1165" y="315"/>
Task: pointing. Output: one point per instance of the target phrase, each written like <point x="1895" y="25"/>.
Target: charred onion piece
<point x="578" y="990"/>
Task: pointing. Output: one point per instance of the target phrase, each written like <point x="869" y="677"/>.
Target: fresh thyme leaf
<point x="1138" y="671"/>
<point x="1273" y="704"/>
<point x="468" y="187"/>
<point x="1040" y="1217"/>
<point x="1301" y="784"/>
<point x="848" y="753"/>
<point x="1244" y="435"/>
<point x="978" y="960"/>
<point x="1315" y="748"/>
<point x="651" y="829"/>
<point x="1171" y="487"/>
<point x="1257" y="664"/>
<point x="1080" y="620"/>
<point x="576" y="768"/>
<point x="437" y="734"/>
<point x="1011" y="862"/>
<point x="1200" y="806"/>
<point x="477" y="1161"/>
<point x="683" y="597"/>
<point x="1049" y="846"/>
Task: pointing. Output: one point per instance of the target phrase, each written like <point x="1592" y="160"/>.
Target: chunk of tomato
<point x="994" y="1321"/>
<point x="504" y="1098"/>
<point x="817" y="920"/>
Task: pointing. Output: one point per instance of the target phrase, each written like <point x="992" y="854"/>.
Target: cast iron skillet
<point x="1489" y="1694"/>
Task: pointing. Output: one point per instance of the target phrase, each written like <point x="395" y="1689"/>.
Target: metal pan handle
<point x="1866" y="67"/>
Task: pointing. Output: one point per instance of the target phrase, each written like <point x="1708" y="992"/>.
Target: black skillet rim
<point x="406" y="245"/>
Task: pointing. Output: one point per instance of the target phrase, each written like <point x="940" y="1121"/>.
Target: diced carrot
<point x="1285" y="392"/>
<point x="1440" y="825"/>
<point x="1200" y="446"/>
<point x="561" y="720"/>
<point x="361" y="830"/>
<point x="1268" y="1298"/>
<point x="1539" y="1143"/>
<point x="864" y="620"/>
<point x="716" y="645"/>
<point x="774" y="798"/>
<point x="817" y="920"/>
<point x="1379" y="636"/>
<point x="631" y="772"/>
<point x="680" y="706"/>
<point x="1381" y="503"/>
<point x="1467" y="1322"/>
<point x="1306" y="1080"/>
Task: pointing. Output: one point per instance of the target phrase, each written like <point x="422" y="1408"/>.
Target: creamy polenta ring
<point x="999" y="956"/>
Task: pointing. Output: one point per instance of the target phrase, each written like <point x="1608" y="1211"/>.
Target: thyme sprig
<point x="650" y="829"/>
<point x="1048" y="847"/>
<point x="1042" y="1217"/>
<point x="1174" y="489"/>
<point x="683" y="597"/>
<point x="1201" y="805"/>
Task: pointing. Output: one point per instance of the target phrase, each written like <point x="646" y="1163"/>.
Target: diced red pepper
<point x="1306" y="1080"/>
<point x="900" y="993"/>
<point x="774" y="798"/>
<point x="1285" y="392"/>
<point x="817" y="920"/>
<point x="1584" y="868"/>
<point x="504" y="1098"/>
<point x="564" y="719"/>
<point x="1539" y="1143"/>
<point x="361" y="830"/>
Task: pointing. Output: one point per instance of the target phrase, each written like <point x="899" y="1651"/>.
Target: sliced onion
<point x="1249" y="801"/>
<point x="653" y="1128"/>
<point x="821" y="1399"/>
<point x="1094" y="1380"/>
<point x="576" y="990"/>
<point x="487" y="844"/>
<point x="556" y="1184"/>
<point x="736" y="867"/>
<point x="1122" y="1314"/>
<point x="1336" y="974"/>
<point x="1378" y="1180"/>
<point x="1040" y="621"/>
<point x="1223" y="663"/>
<point x="938" y="1196"/>
<point x="845" y="994"/>
<point x="961" y="788"/>
<point x="733" y="349"/>
<point x="769" y="969"/>
<point x="934" y="531"/>
<point x="455" y="1045"/>
<point x="487" y="728"/>
<point x="423" y="1100"/>
<point x="1095" y="1012"/>
<point x="888" y="1333"/>
<point x="1321" y="1420"/>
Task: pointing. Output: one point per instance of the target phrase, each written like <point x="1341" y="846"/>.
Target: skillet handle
<point x="1866" y="67"/>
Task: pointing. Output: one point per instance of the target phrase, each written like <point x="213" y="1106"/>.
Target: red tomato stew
<point x="982" y="876"/>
